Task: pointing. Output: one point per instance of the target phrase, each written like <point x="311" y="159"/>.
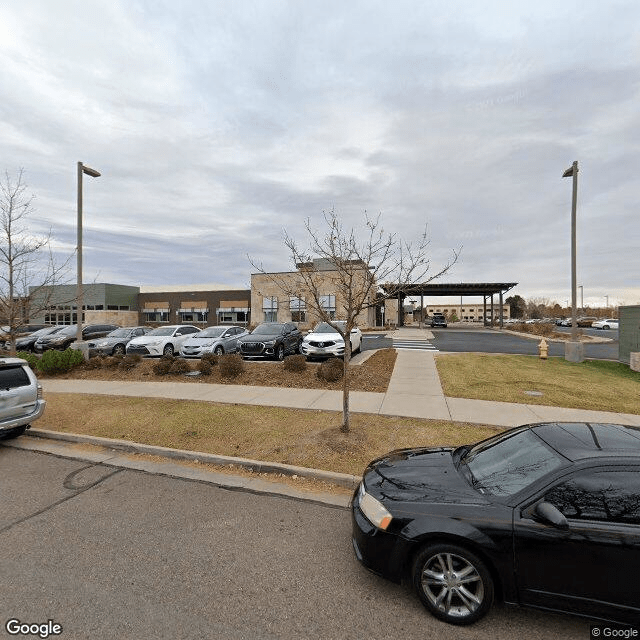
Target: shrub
<point x="111" y="362"/>
<point x="204" y="367"/>
<point x="31" y="358"/>
<point x="130" y="361"/>
<point x="179" y="366"/>
<point x="297" y="363"/>
<point x="53" y="361"/>
<point x="163" y="366"/>
<point x="211" y="358"/>
<point x="94" y="363"/>
<point x="231" y="365"/>
<point x="331" y="370"/>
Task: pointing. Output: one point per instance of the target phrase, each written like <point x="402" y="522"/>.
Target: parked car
<point x="163" y="341"/>
<point x="64" y="338"/>
<point x="545" y="515"/>
<point x="586" y="321"/>
<point x="325" y="342"/>
<point x="438" y="320"/>
<point x="271" y="340"/>
<point x="217" y="340"/>
<point x="27" y="343"/>
<point x="609" y="323"/>
<point x="21" y="399"/>
<point x="115" y="342"/>
<point x="19" y="332"/>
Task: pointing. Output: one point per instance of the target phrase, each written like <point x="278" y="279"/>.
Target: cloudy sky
<point x="218" y="125"/>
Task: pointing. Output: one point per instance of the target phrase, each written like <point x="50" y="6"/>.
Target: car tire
<point x="168" y="350"/>
<point x="280" y="352"/>
<point x="13" y="433"/>
<point x="355" y="352"/>
<point x="606" y="326"/>
<point x="218" y="350"/>
<point x="118" y="350"/>
<point x="453" y="583"/>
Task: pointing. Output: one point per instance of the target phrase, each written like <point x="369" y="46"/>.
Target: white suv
<point x="20" y="397"/>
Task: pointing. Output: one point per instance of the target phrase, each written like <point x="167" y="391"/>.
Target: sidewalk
<point x="414" y="391"/>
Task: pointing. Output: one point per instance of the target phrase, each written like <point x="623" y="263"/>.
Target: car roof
<point x="581" y="440"/>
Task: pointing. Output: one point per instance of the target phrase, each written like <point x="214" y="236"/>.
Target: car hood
<point x="420" y="475"/>
<point x="147" y="339"/>
<point x="323" y="337"/>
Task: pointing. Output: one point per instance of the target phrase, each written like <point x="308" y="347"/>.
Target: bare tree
<point x="356" y="269"/>
<point x="27" y="265"/>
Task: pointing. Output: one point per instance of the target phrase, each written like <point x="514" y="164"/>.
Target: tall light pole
<point x="574" y="350"/>
<point x="79" y="302"/>
<point x="581" y="287"/>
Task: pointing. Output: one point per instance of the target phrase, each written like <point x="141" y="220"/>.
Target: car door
<point x="588" y="567"/>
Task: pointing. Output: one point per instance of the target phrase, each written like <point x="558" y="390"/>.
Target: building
<point x="290" y="296"/>
<point x="468" y="313"/>
<point x="200" y="304"/>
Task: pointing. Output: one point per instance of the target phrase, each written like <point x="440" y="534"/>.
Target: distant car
<point x="27" y="343"/>
<point x="163" y="341"/>
<point x="21" y="399"/>
<point x="324" y="341"/>
<point x="19" y="332"/>
<point x="438" y="320"/>
<point x="586" y="321"/>
<point x="64" y="338"/>
<point x="218" y="340"/>
<point x="544" y="515"/>
<point x="115" y="342"/>
<point x="271" y="340"/>
<point x="609" y="323"/>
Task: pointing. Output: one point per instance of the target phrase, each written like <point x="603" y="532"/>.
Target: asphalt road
<point x="110" y="553"/>
<point x="461" y="339"/>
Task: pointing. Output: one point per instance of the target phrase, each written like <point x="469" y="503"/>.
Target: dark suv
<point x="271" y="340"/>
<point x="438" y="320"/>
<point x="62" y="339"/>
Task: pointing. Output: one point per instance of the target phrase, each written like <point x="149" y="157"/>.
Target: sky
<point x="218" y="127"/>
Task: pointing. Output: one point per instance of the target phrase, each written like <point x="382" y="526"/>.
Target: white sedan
<point x="325" y="341"/>
<point x="609" y="323"/>
<point x="163" y="341"/>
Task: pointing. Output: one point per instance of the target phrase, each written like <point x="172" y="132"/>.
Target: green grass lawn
<point x="592" y="384"/>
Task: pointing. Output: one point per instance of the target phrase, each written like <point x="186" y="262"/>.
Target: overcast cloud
<point x="216" y="125"/>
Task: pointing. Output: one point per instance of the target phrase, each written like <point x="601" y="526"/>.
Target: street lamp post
<point x="581" y="287"/>
<point x="574" y="350"/>
<point x="79" y="301"/>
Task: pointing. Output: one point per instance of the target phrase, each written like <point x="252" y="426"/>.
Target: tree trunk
<point x="345" y="385"/>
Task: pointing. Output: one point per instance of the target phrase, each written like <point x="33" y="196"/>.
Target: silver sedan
<point x="216" y="340"/>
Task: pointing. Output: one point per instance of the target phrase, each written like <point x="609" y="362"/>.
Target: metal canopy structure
<point x="484" y="289"/>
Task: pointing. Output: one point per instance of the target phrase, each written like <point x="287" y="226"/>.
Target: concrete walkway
<point x="414" y="391"/>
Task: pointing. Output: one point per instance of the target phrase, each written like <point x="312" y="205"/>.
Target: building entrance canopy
<point x="484" y="289"/>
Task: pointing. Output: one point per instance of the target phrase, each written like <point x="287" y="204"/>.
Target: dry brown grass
<point x="299" y="437"/>
<point x="372" y="375"/>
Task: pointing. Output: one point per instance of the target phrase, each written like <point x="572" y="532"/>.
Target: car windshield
<point x="508" y="463"/>
<point x="162" y="331"/>
<point x="119" y="333"/>
<point x="70" y="330"/>
<point x="46" y="331"/>
<point x="211" y="332"/>
<point x="268" y="330"/>
<point x="325" y="327"/>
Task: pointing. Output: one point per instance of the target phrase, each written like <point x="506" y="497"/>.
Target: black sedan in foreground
<point x="544" y="515"/>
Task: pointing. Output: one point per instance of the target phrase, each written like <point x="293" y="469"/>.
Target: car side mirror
<point x="551" y="515"/>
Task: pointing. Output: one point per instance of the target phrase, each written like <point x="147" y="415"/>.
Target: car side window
<point x="606" y="495"/>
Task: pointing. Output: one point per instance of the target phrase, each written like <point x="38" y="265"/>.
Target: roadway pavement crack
<point x="68" y="483"/>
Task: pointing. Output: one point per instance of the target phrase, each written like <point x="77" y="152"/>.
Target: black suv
<point x="271" y="340"/>
<point x="62" y="339"/>
<point x="438" y="320"/>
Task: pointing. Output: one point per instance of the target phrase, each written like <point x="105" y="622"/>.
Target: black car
<point x="271" y="340"/>
<point x="545" y="515"/>
<point x="66" y="336"/>
<point x="438" y="320"/>
<point x="27" y="343"/>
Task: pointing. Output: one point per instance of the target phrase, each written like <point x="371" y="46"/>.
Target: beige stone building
<point x="295" y="296"/>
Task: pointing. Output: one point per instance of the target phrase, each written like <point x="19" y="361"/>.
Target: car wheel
<point x="118" y="350"/>
<point x="13" y="433"/>
<point x="453" y="583"/>
<point x="168" y="350"/>
<point x="355" y="352"/>
<point x="280" y="352"/>
<point x="218" y="350"/>
<point x="606" y="326"/>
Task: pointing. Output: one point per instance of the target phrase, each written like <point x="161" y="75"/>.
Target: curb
<point x="340" y="479"/>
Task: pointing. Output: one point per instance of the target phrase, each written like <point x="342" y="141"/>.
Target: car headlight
<point x="104" y="343"/>
<point x="153" y="343"/>
<point x="373" y="509"/>
<point x="269" y="343"/>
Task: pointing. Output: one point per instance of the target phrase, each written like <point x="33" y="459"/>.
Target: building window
<point x="270" y="309"/>
<point x="298" y="308"/>
<point x="156" y="316"/>
<point x="328" y="304"/>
